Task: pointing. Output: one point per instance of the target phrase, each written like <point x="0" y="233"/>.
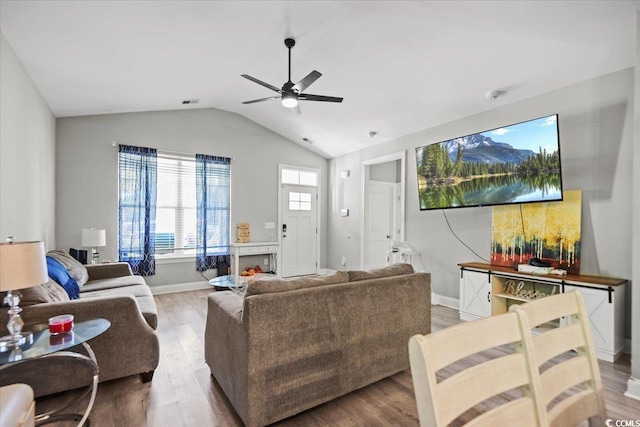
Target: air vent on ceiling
<point x="190" y="101"/>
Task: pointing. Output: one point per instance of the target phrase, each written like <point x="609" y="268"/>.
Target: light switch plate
<point x="269" y="225"/>
<point x="344" y="212"/>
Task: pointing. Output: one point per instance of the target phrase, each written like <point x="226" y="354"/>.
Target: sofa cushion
<point x="47" y="292"/>
<point x="112" y="283"/>
<point x="60" y="275"/>
<point x="280" y="285"/>
<point x="73" y="266"/>
<point x="392" y="270"/>
<point x="142" y="294"/>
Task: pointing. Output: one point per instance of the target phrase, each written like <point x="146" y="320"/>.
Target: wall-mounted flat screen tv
<point x="519" y="163"/>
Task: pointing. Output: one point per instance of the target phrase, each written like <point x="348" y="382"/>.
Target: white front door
<point x="299" y="232"/>
<point x="380" y="218"/>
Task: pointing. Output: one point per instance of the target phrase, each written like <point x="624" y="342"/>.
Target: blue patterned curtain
<point x="213" y="188"/>
<point x="138" y="174"/>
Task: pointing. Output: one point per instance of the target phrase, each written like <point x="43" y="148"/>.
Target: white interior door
<point x="381" y="217"/>
<point x="299" y="232"/>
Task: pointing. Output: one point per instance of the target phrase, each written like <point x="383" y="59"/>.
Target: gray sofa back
<point x="309" y="345"/>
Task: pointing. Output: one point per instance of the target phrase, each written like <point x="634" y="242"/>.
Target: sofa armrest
<point x="129" y="347"/>
<point x="226" y="349"/>
<point x="108" y="271"/>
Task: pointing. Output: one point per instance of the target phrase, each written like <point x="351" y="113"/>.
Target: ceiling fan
<point x="291" y="93"/>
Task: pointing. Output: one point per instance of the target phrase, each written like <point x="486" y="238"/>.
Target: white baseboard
<point x="444" y="300"/>
<point x="180" y="287"/>
<point x="633" y="388"/>
<point x="325" y="271"/>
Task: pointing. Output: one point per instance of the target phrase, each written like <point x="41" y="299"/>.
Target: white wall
<point x="634" y="382"/>
<point x="27" y="160"/>
<point x="87" y="173"/>
<point x="596" y="132"/>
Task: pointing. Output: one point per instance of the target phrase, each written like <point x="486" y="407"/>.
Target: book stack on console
<point x="532" y="269"/>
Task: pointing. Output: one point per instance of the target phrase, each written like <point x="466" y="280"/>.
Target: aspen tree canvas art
<point x="550" y="231"/>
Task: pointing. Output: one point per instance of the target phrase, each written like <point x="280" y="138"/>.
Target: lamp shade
<point x="22" y="265"/>
<point x="93" y="238"/>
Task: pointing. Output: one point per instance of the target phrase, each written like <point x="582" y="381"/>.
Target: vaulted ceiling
<point x="401" y="66"/>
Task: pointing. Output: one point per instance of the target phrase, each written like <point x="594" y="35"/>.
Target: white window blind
<point x="176" y="205"/>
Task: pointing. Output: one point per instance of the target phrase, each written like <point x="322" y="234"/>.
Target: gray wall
<point x="87" y="172"/>
<point x="634" y="383"/>
<point x="596" y="131"/>
<point x="27" y="146"/>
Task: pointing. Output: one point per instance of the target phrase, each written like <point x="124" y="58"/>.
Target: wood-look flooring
<point x="183" y="393"/>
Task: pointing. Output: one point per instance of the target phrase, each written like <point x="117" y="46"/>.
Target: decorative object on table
<point x="92" y="238"/>
<point x="548" y="231"/>
<point x="23" y="266"/>
<point x="251" y="271"/>
<point x="61" y="324"/>
<point x="243" y="232"/>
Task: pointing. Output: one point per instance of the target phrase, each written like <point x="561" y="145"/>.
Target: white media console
<point x="487" y="290"/>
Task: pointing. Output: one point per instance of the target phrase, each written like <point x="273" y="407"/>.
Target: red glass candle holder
<point x="61" y="324"/>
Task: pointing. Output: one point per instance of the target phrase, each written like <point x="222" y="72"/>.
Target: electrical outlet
<point x="265" y="261"/>
<point x="343" y="261"/>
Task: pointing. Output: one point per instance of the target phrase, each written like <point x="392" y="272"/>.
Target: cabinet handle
<point x="489" y="296"/>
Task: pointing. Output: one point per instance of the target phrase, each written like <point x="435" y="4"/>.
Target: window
<point x="176" y="206"/>
<point x="299" y="201"/>
<point x="172" y="205"/>
<point x="300" y="177"/>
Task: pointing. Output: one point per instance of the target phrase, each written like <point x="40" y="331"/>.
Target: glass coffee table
<point x="230" y="282"/>
<point x="41" y="344"/>
<point x="238" y="284"/>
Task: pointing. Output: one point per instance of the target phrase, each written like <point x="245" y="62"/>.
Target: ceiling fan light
<point x="289" y="100"/>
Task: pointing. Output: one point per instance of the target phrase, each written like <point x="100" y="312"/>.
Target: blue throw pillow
<point x="59" y="274"/>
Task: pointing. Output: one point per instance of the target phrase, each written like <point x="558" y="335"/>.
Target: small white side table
<point x="254" y="248"/>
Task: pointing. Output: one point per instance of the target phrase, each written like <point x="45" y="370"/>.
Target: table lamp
<point x="93" y="238"/>
<point x="22" y="265"/>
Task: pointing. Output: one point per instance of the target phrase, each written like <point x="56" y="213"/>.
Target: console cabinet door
<point x="607" y="328"/>
<point x="475" y="295"/>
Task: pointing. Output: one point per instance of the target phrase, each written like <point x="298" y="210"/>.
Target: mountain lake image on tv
<point x="519" y="163"/>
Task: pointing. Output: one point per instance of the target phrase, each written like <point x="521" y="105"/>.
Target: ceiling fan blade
<point x="260" y="82"/>
<point x="296" y="110"/>
<point x="310" y="97"/>
<point x="307" y="81"/>
<point x="261" y="99"/>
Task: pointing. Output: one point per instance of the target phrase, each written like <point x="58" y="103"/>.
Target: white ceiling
<point x="400" y="66"/>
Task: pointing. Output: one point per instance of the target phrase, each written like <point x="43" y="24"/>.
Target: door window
<point x="299" y="201"/>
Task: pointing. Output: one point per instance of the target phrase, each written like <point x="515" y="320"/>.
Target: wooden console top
<point x="601" y="280"/>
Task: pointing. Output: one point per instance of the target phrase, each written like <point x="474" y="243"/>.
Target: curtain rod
<point x="180" y="153"/>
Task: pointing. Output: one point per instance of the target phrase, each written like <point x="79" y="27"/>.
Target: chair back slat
<point x="559" y="378"/>
<point x="470" y="386"/>
<point x="557" y="341"/>
<point x="466" y="339"/>
<point x="519" y="412"/>
<point x="574" y="409"/>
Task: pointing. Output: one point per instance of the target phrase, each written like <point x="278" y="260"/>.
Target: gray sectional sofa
<point x="290" y="345"/>
<point x="129" y="347"/>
